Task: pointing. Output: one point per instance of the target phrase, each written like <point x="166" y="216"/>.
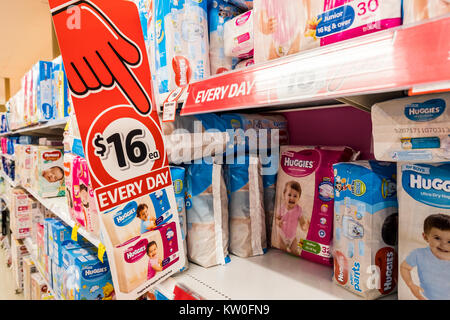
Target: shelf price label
<point x="105" y="57"/>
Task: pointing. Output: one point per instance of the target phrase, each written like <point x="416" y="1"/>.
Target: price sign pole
<point x="105" y="58"/>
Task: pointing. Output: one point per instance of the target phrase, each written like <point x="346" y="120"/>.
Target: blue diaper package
<point x="246" y="207"/>
<point x="269" y="164"/>
<point x="241" y="4"/>
<point x="45" y="108"/>
<point x="85" y="277"/>
<point x="161" y="63"/>
<point x="220" y="12"/>
<point x="365" y="227"/>
<point x="207" y="215"/>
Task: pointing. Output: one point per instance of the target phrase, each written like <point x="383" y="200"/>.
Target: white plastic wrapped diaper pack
<point x="219" y="12"/>
<point x="246" y="207"/>
<point x="418" y="10"/>
<point x="190" y="138"/>
<point x="424" y="231"/>
<point x="413" y="129"/>
<point x="239" y="38"/>
<point x="365" y="228"/>
<point x="207" y="215"/>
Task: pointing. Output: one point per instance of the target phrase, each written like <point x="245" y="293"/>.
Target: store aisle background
<point x="7" y="287"/>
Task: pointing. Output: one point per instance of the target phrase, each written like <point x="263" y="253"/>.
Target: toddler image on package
<point x="365" y="227"/>
<point x="142" y="257"/>
<point x="48" y="171"/>
<point x="424" y="231"/>
<point x="303" y="217"/>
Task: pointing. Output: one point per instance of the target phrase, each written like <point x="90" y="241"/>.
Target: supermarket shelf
<point x="394" y="60"/>
<point x="46" y="128"/>
<point x="32" y="249"/>
<point x="8" y="156"/>
<point x="58" y="206"/>
<point x="8" y="179"/>
<point x="273" y="276"/>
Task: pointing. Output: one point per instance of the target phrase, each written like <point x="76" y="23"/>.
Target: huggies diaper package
<point x="413" y="129"/>
<point x="303" y="219"/>
<point x="219" y="12"/>
<point x="191" y="138"/>
<point x="141" y="215"/>
<point x="161" y="62"/>
<point x="365" y="227"/>
<point x="68" y="177"/>
<point x="239" y="37"/>
<point x="288" y="27"/>
<point x="424" y="231"/>
<point x="23" y="164"/>
<point x="86" y="277"/>
<point x="48" y="171"/>
<point x="45" y="108"/>
<point x="246" y="207"/>
<point x="207" y="215"/>
<point x="142" y="257"/>
<point x="84" y="206"/>
<point x="186" y="41"/>
<point x="418" y="10"/>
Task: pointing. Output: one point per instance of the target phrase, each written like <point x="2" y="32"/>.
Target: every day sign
<point x="105" y="58"/>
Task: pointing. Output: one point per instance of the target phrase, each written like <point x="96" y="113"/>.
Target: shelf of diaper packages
<point x="32" y="249"/>
<point x="275" y="275"/>
<point x="392" y="60"/>
<point x="8" y="179"/>
<point x="58" y="205"/>
<point x="8" y="156"/>
<point x="40" y="128"/>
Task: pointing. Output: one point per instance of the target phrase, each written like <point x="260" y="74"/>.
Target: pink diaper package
<point x="304" y="204"/>
<point x="79" y="193"/>
<point x="238" y="36"/>
<point x="287" y="27"/>
<point x="144" y="256"/>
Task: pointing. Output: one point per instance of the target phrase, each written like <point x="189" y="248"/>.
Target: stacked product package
<point x="43" y="96"/>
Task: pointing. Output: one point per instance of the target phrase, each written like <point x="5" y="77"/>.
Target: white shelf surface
<point x="58" y="206"/>
<point x="273" y="276"/>
<point x="32" y="249"/>
<point x="58" y="123"/>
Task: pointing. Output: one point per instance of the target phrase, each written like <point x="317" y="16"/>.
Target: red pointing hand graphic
<point x="105" y="63"/>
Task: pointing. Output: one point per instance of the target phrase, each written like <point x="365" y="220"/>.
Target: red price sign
<point x="105" y="58"/>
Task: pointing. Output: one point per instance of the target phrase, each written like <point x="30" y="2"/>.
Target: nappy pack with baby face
<point x="140" y="258"/>
<point x="246" y="207"/>
<point x="207" y="215"/>
<point x="424" y="231"/>
<point x="365" y="227"/>
<point x="287" y="27"/>
<point x="304" y="206"/>
<point x="413" y="129"/>
<point x="47" y="171"/>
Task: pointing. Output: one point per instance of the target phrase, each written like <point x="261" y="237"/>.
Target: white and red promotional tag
<point x="105" y="58"/>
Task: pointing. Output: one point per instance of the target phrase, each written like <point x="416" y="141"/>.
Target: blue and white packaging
<point x="207" y="215"/>
<point x="61" y="232"/>
<point x="241" y="4"/>
<point x="413" y="129"/>
<point x="424" y="231"/>
<point x="246" y="207"/>
<point x="87" y="278"/>
<point x="365" y="227"/>
<point x="48" y="235"/>
<point x="187" y="45"/>
<point x="269" y="165"/>
<point x="219" y="12"/>
<point x="45" y="108"/>
<point x="161" y="60"/>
